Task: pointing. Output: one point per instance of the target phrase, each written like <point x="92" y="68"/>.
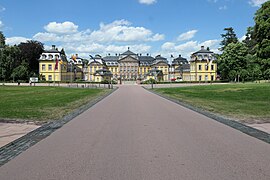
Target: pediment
<point x="129" y="59"/>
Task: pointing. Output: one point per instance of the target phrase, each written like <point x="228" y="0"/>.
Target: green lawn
<point x="248" y="102"/>
<point x="43" y="103"/>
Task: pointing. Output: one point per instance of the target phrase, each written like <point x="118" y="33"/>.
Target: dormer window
<point x="44" y="56"/>
<point x="200" y="57"/>
<point x="56" y="56"/>
<point x="205" y="57"/>
<point x="50" y="56"/>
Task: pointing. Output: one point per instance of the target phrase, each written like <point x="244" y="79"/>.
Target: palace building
<point x="128" y="66"/>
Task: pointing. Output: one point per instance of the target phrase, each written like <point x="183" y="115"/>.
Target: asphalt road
<point x="134" y="134"/>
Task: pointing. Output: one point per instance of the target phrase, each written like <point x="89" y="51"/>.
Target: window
<point x="44" y="56"/>
<point x="50" y="56"/>
<point x="206" y="67"/>
<point x="50" y="77"/>
<point x="212" y="78"/>
<point x="43" y="67"/>
<point x="212" y="67"/>
<point x="206" y="77"/>
<point x="50" y="67"/>
<point x="200" y="67"/>
<point x="200" y="78"/>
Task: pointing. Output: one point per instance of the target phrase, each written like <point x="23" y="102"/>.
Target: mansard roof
<point x="203" y="51"/>
<point x="128" y="52"/>
<point x="179" y="60"/>
<point x="111" y="58"/>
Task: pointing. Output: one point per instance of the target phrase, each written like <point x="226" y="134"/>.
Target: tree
<point x="228" y="37"/>
<point x="2" y="40"/>
<point x="250" y="41"/>
<point x="233" y="59"/>
<point x="262" y="30"/>
<point x="21" y="72"/>
<point x="262" y="35"/>
<point x="9" y="59"/>
<point x="267" y="74"/>
<point x="31" y="51"/>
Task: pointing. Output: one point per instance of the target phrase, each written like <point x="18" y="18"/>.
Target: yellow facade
<point x="48" y="71"/>
<point x="203" y="71"/>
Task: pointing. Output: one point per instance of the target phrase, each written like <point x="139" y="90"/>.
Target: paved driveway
<point x="133" y="134"/>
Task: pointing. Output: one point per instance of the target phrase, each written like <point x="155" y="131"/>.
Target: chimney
<point x="56" y="49"/>
<point x="179" y="55"/>
<point x="76" y="55"/>
<point x="53" y="47"/>
<point x="202" y="47"/>
<point x="147" y="54"/>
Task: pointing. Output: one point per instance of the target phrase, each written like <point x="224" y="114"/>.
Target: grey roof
<point x="111" y="58"/>
<point x="160" y="58"/>
<point x="52" y="51"/>
<point x="184" y="67"/>
<point x="149" y="59"/>
<point x="128" y="52"/>
<point x="203" y="51"/>
<point x="179" y="59"/>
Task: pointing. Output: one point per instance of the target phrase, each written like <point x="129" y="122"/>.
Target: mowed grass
<point x="248" y="102"/>
<point x="43" y="103"/>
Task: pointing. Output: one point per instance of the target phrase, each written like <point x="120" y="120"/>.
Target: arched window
<point x="50" y="56"/>
<point x="44" y="56"/>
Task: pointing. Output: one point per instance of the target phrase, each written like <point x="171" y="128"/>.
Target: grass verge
<point x="248" y="103"/>
<point x="43" y="104"/>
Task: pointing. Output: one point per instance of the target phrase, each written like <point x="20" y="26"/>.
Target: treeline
<point x="19" y="62"/>
<point x="248" y="60"/>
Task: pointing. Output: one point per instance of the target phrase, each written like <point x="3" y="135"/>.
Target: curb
<point x="263" y="136"/>
<point x="21" y="144"/>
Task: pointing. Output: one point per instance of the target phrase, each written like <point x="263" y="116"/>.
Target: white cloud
<point x="117" y="31"/>
<point x="61" y="28"/>
<point x="15" y="40"/>
<point x="257" y="3"/>
<point x="114" y="37"/>
<point x="148" y="2"/>
<point x="96" y="48"/>
<point x="187" y="35"/>
<point x="186" y="49"/>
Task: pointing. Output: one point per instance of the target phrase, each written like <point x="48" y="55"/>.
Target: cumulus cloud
<point x="117" y="31"/>
<point x="61" y="28"/>
<point x="257" y="3"/>
<point x="15" y="40"/>
<point x="187" y="48"/>
<point x="96" y="48"/>
<point x="187" y="35"/>
<point x="112" y="37"/>
<point x="148" y="2"/>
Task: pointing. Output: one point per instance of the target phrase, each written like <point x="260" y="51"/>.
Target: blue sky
<point x="110" y="26"/>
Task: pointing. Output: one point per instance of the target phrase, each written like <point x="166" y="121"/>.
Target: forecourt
<point x="134" y="134"/>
